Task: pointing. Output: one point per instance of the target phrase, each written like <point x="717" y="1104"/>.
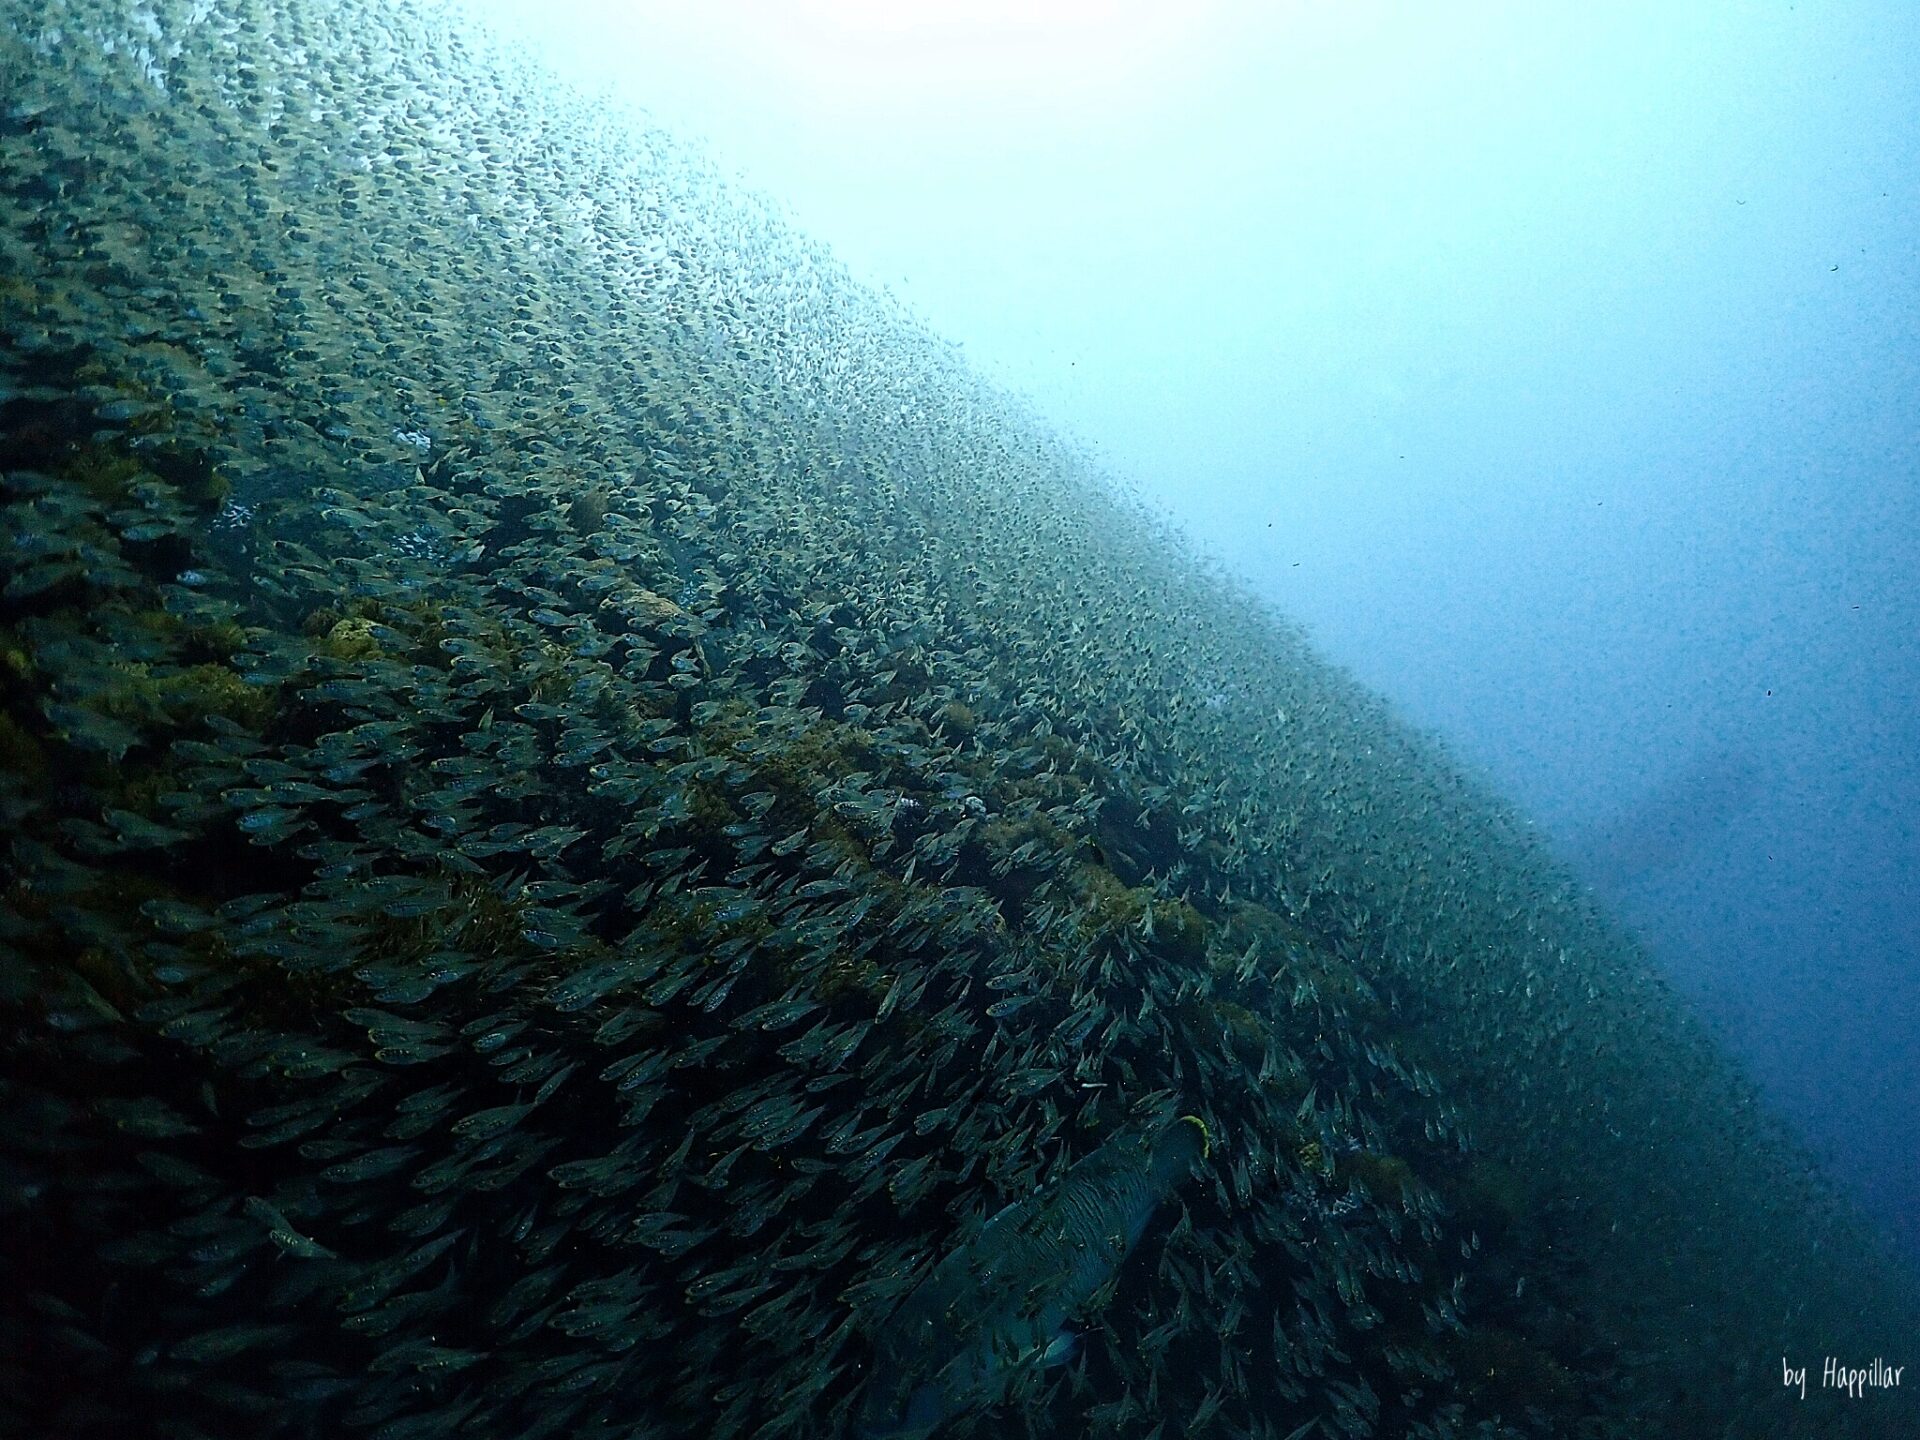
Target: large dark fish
<point x="1669" y="826"/>
<point x="1004" y="1299"/>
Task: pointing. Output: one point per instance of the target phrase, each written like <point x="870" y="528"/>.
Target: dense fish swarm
<point x="582" y="802"/>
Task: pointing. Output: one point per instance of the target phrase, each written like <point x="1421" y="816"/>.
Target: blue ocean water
<point x="836" y="720"/>
<point x="1555" y="371"/>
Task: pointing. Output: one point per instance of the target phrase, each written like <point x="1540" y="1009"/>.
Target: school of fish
<point x="601" y="839"/>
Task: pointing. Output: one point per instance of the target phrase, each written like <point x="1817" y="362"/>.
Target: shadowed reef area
<point x="583" y="803"/>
